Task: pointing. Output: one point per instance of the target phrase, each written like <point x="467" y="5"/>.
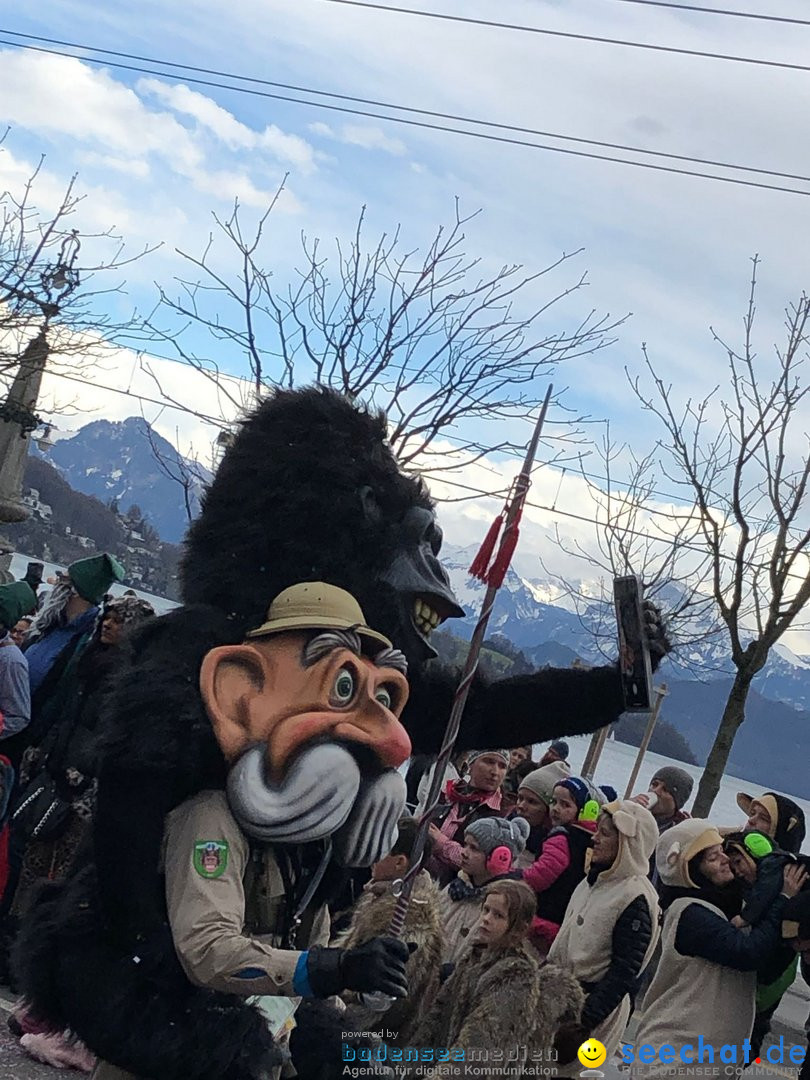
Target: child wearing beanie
<point x="480" y="795"/>
<point x="561" y="864"/>
<point x="490" y="847"/>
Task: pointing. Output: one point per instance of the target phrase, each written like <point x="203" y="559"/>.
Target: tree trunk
<point x="733" y="716"/>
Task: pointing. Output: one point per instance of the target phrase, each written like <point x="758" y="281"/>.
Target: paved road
<point x="16" y="1065"/>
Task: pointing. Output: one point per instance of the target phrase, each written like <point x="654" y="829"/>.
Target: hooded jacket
<point x="706" y="980"/>
<point x="423" y="928"/>
<point x="498" y="1000"/>
<point x="610" y="928"/>
<point x="787" y="819"/>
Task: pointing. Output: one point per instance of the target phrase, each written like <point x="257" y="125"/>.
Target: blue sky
<point x="156" y="157"/>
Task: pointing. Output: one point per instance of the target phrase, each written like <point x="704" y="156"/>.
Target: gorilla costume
<point x="309" y="491"/>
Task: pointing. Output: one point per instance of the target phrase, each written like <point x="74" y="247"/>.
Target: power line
<point x="522" y="28"/>
<point x="164" y="403"/>
<point x="579" y="471"/>
<point x="442" y="479"/>
<point x="720" y="11"/>
<point x="453" y="117"/>
<point x="486" y="136"/>
<point x="592" y="521"/>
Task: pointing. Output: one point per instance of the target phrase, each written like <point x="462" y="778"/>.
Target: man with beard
<point x="306" y="713"/>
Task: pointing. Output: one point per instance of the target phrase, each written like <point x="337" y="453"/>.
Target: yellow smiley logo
<point x="592" y="1054"/>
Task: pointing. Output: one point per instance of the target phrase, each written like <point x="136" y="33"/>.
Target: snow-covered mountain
<point x="524" y="613"/>
<point x="116" y="460"/>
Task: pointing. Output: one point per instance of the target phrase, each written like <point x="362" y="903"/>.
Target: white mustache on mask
<point x="322" y="795"/>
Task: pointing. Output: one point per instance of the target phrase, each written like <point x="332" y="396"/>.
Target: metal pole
<point x="470" y="668"/>
<point x="597" y="745"/>
<point x="660" y="693"/>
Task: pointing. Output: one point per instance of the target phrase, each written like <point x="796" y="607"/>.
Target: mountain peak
<point x="114" y="460"/>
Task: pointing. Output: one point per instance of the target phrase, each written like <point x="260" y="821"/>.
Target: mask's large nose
<point x="376" y="726"/>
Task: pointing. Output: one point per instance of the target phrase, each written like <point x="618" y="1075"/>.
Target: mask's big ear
<point x="232" y="681"/>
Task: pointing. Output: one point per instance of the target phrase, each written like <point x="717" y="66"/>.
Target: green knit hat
<point x="91" y="578"/>
<point x="16" y="599"/>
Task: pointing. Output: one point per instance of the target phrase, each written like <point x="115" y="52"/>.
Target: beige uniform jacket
<point x="215" y="894"/>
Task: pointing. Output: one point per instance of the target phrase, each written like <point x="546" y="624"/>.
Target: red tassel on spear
<point x="494" y="576"/>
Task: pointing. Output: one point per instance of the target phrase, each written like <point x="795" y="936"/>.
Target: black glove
<point x="568" y="1040"/>
<point x="655" y="630"/>
<point x="378" y="965"/>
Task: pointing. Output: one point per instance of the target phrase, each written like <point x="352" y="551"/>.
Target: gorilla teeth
<point x="425" y="618"/>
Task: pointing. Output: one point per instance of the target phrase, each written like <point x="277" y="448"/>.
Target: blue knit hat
<point x="580" y="791"/>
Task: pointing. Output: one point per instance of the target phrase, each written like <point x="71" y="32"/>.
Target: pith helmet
<point x="316" y="605"/>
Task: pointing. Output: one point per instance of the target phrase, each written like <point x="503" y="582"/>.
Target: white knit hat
<point x="541" y="781"/>
<point x="678" y="845"/>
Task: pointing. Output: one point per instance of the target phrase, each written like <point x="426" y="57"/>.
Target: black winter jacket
<point x="631" y="938"/>
<point x="703" y="933"/>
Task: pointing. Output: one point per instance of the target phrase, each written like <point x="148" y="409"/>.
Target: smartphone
<point x="634" y="653"/>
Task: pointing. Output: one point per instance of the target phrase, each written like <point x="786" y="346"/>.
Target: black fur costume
<point x="309" y="491"/>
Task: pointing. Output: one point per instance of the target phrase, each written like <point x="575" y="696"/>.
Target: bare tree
<point x="433" y="338"/>
<point x="55" y="281"/>
<point x="742" y="460"/>
<point x="51" y="317"/>
<point x="636" y="533"/>
<point x="186" y="471"/>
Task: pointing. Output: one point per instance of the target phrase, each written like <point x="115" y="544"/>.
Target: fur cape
<point x="423" y="929"/>
<point x="499" y="1000"/>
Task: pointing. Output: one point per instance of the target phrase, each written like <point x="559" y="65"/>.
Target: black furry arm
<point x="515" y="711"/>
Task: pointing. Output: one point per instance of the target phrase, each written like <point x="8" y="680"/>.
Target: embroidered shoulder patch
<point x="211" y="858"/>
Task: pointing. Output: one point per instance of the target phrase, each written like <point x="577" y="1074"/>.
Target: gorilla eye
<point x="343" y="688"/>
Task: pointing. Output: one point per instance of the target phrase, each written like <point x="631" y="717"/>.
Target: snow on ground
<point x="19" y="563"/>
<point x="616" y="763"/>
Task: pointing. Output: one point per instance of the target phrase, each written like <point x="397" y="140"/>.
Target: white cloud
<point x="112" y="129"/>
<point x="224" y="125"/>
<point x="136" y="167"/>
<point x="361" y="135"/>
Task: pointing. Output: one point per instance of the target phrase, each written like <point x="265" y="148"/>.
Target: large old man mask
<point x="306" y="713"/>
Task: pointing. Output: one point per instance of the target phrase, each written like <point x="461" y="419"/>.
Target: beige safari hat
<point x="315" y="605"/>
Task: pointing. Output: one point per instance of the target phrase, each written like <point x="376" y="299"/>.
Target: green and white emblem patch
<point x="211" y="858"/>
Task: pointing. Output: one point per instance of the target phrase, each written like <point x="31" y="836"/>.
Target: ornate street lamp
<point x="18" y="418"/>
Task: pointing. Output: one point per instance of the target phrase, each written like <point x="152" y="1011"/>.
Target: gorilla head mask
<point x="306" y="712"/>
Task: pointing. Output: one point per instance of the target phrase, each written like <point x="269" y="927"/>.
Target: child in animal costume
<point x="490" y="847"/>
<point x="759" y="865"/>
<point x="422" y="932"/>
<point x="498" y="1000"/>
<point x="706" y="978"/>
<point x="610" y="927"/>
<point x="779" y="817"/>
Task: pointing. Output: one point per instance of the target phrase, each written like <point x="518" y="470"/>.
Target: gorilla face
<point x="310" y="491"/>
<point x="415" y="594"/>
